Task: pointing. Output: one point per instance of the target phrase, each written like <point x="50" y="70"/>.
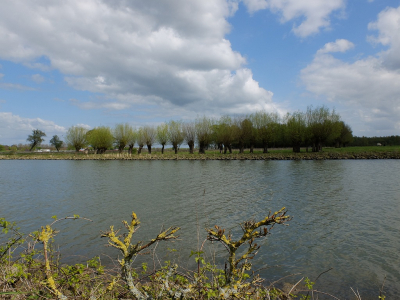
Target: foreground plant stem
<point x="129" y="251"/>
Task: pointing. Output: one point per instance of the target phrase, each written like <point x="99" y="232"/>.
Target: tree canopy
<point x="76" y="137"/>
<point x="36" y="138"/>
<point x="56" y="142"/>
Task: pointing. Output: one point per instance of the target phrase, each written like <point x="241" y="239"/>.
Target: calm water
<point x="346" y="214"/>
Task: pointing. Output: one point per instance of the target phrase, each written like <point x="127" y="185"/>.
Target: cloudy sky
<point x="98" y="62"/>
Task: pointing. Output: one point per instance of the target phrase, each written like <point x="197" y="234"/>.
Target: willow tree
<point x="122" y="135"/>
<point x="266" y="125"/>
<point x="149" y="135"/>
<point x="243" y="132"/>
<point x="36" y="138"/>
<point x="76" y="137"/>
<point x="162" y="135"/>
<point x="322" y="124"/>
<point x="132" y="140"/>
<point x="56" y="142"/>
<point x="345" y="136"/>
<point x="175" y="133"/>
<point x="141" y="139"/>
<point x="100" y="138"/>
<point x="296" y="129"/>
<point x="189" y="132"/>
<point x="204" y="133"/>
<point x="224" y="133"/>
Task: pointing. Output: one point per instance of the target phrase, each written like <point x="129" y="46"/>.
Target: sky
<point x="100" y="63"/>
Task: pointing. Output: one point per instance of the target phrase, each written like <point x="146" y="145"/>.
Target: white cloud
<point x="315" y="13"/>
<point x="370" y="86"/>
<point x="37" y="78"/>
<point x="12" y="127"/>
<point x="388" y="27"/>
<point x="15" y="86"/>
<point x="169" y="52"/>
<point x="340" y="45"/>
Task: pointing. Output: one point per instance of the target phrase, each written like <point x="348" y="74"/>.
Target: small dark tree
<point x="56" y="142"/>
<point x="36" y="138"/>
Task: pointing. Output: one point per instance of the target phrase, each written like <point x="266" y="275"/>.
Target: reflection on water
<point x="346" y="213"/>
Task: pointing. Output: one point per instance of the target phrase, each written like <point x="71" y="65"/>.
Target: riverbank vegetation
<point x="238" y="137"/>
<point x="30" y="266"/>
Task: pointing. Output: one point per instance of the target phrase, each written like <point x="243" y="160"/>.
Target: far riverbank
<point x="392" y="152"/>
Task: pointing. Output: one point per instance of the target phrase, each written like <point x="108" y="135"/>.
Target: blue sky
<point x="98" y="62"/>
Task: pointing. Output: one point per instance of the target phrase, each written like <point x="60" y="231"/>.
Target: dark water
<point x="346" y="214"/>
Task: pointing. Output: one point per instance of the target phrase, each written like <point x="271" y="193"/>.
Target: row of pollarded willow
<point x="313" y="128"/>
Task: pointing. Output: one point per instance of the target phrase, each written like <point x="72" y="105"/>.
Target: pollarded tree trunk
<point x="120" y="149"/>
<point x="296" y="148"/>
<point x="140" y="149"/>
<point x="191" y="147"/>
<point x="225" y="149"/>
<point x="130" y="148"/>
<point x="202" y="148"/>
<point x="162" y="149"/>
<point x="149" y="149"/>
<point x="241" y="148"/>
<point x="220" y="147"/>
<point x="251" y="148"/>
<point x="265" y="147"/>
<point x="175" y="147"/>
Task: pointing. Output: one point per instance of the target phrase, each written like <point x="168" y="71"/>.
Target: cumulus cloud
<point x="12" y="126"/>
<point x="314" y="14"/>
<point x="340" y="45"/>
<point x="369" y="86"/>
<point x="388" y="27"/>
<point x="170" y="53"/>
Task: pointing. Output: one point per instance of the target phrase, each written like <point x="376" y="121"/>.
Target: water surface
<point x="346" y="214"/>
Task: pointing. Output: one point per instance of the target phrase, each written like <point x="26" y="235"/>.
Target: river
<point x="346" y="214"/>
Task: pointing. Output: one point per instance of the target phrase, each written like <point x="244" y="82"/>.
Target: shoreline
<point x="210" y="156"/>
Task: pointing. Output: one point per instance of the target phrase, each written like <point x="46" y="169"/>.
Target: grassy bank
<point x="371" y="152"/>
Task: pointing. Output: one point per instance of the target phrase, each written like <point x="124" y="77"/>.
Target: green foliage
<point x="36" y="138"/>
<point x="176" y="135"/>
<point x="76" y="137"/>
<point x="56" y="142"/>
<point x="2" y="148"/>
<point x="123" y="136"/>
<point x="100" y="138"/>
<point x="36" y="274"/>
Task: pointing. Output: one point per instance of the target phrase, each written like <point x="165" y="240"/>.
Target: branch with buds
<point x="251" y="231"/>
<point x="130" y="250"/>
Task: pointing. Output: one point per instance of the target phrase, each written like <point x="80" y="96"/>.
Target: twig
<point x="358" y="296"/>
<point x="283" y="278"/>
<point x="295" y="286"/>
<point x="316" y="291"/>
<point x="322" y="274"/>
<point x="381" y="289"/>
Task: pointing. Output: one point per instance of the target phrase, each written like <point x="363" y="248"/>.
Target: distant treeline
<point x="393" y="140"/>
<point x="315" y="128"/>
